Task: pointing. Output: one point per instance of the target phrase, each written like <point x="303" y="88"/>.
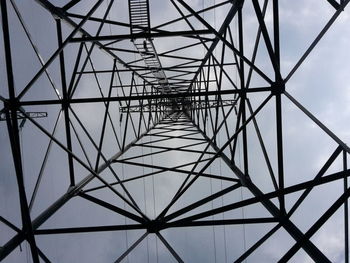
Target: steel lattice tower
<point x="173" y="127"/>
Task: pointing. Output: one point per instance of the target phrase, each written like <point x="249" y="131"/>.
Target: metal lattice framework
<point x="118" y="111"/>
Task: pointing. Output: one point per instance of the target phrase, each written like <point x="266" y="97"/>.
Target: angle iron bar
<point x="9" y="224"/>
<point x="181" y="149"/>
<point x="171" y="130"/>
<point x="104" y="122"/>
<point x="223" y="222"/>
<point x="308" y="246"/>
<point x="263" y="148"/>
<point x="43" y="163"/>
<point x="272" y="53"/>
<point x="218" y="83"/>
<point x="36" y="50"/>
<point x="161" y="171"/>
<point x="201" y="202"/>
<point x="88" y="59"/>
<point x="335" y="4"/>
<point x="205" y="46"/>
<point x="88" y="229"/>
<point x="118" y="23"/>
<point x="263" y="197"/>
<point x="74" y="80"/>
<point x="270" y="195"/>
<point x="238" y="121"/>
<point x="81" y="144"/>
<point x="175" y="136"/>
<point x="276" y="59"/>
<point x="132" y="247"/>
<point x="128" y="116"/>
<point x="185" y="187"/>
<point x="210" y="53"/>
<point x="316" y="226"/>
<point x="13" y="133"/>
<point x="318" y="123"/>
<point x="43" y="256"/>
<point x="256" y="45"/>
<point x="55" y="11"/>
<point x="59" y="50"/>
<point x="237" y="5"/>
<point x="64" y="104"/>
<point x="140" y="35"/>
<point x="171" y="169"/>
<point x="322" y="171"/>
<point x="189" y="15"/>
<point x="20" y="116"/>
<point x="70" y="4"/>
<point x="249" y="251"/>
<point x="346" y="212"/>
<point x="317" y="39"/>
<point x="112" y="208"/>
<point x="164" y="170"/>
<point x="133" y="203"/>
<point x="169" y="247"/>
<point x="46" y="214"/>
<point x="243" y="97"/>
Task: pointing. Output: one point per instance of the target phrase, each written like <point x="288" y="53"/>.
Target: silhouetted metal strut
<point x="195" y="122"/>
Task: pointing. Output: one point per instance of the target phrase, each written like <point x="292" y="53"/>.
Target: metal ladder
<point x="139" y="16"/>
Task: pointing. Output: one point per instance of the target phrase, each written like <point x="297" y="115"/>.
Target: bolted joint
<point x="278" y="87"/>
<point x="283" y="216"/>
<point x="65" y="104"/>
<point x="12" y="104"/>
<point x="154" y="226"/>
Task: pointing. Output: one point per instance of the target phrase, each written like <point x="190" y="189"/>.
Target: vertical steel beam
<point x="13" y="131"/>
<point x="243" y="94"/>
<point x="65" y="103"/>
<point x="279" y="86"/>
<point x="346" y="212"/>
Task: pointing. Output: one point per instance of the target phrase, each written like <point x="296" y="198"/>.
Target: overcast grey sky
<point x="321" y="84"/>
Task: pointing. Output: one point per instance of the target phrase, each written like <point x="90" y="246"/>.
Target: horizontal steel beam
<point x="21" y="116"/>
<point x="89" y="229"/>
<point x="141" y="35"/>
<point x="239" y="221"/>
<point x="147" y="97"/>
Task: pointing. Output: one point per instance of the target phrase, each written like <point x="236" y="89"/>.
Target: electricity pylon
<point x="161" y="140"/>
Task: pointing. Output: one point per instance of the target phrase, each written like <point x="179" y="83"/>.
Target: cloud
<point x="320" y="84"/>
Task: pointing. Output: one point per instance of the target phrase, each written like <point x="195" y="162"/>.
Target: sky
<point x="321" y="85"/>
